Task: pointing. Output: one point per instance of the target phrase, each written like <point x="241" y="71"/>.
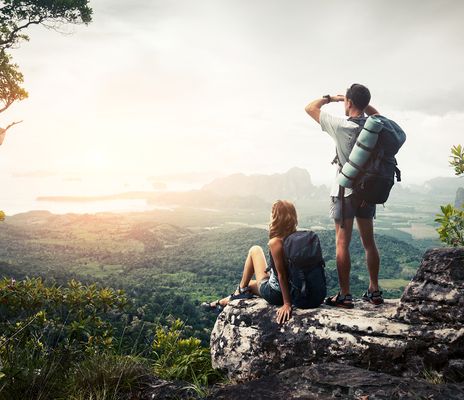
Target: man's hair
<point x="359" y="95"/>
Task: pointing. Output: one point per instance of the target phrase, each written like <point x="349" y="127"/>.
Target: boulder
<point x="436" y="293"/>
<point x="331" y="381"/>
<point x="401" y="338"/>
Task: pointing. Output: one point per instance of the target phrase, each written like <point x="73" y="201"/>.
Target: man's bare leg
<point x="366" y="231"/>
<point x="343" y="239"/>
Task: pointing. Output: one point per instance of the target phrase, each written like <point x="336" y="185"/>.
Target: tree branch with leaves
<point x="18" y="15"/>
<point x="15" y="17"/>
<point x="451" y="219"/>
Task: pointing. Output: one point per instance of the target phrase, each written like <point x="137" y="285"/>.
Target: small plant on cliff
<point x="451" y="220"/>
<point x="181" y="358"/>
<point x="107" y="376"/>
<point x="433" y="377"/>
<point x="457" y="159"/>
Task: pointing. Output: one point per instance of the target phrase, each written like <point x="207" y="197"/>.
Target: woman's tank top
<point x="273" y="279"/>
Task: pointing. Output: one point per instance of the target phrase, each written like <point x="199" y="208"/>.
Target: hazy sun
<point x="96" y="158"/>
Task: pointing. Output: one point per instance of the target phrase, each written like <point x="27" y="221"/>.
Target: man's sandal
<point x="374" y="297"/>
<point x="340" y="301"/>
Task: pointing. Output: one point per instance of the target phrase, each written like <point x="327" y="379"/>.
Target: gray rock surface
<point x="159" y="389"/>
<point x="436" y="293"/>
<point x="425" y="331"/>
<point x="332" y="381"/>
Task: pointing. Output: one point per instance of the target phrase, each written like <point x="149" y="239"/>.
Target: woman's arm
<point x="277" y="251"/>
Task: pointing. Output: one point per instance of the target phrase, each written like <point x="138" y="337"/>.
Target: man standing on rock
<point x="344" y="131"/>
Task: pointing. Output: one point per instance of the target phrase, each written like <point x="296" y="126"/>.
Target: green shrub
<point x="57" y="343"/>
<point x="457" y="159"/>
<point x="451" y="219"/>
<point x="451" y="229"/>
<point x="46" y="329"/>
<point x="181" y="358"/>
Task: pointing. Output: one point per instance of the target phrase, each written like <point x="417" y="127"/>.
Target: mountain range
<point x="259" y="190"/>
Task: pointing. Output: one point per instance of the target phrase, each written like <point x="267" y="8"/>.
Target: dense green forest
<point x="166" y="269"/>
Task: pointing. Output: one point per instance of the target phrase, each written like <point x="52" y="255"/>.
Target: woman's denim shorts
<point x="269" y="294"/>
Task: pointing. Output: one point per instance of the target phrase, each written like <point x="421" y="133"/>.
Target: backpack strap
<point x="357" y="120"/>
<point x="378" y="156"/>
<point x="341" y="191"/>
<point x="398" y="174"/>
<point x="336" y="159"/>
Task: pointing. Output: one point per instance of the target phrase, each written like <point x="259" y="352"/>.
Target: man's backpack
<point x="376" y="178"/>
<point x="305" y="265"/>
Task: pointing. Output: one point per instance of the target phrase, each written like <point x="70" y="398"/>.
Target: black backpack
<point x="305" y="265"/>
<point x="374" y="182"/>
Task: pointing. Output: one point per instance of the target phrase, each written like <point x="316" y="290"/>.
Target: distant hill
<point x="459" y="201"/>
<point x="438" y="190"/>
<point x="294" y="185"/>
<point x="237" y="191"/>
<point x="443" y="186"/>
<point x="258" y="191"/>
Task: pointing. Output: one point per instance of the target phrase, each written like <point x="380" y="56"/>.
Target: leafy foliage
<point x="59" y="343"/>
<point x="16" y="16"/>
<point x="181" y="358"/>
<point x="451" y="219"/>
<point x="457" y="159"/>
<point x="11" y="80"/>
<point x="451" y="229"/>
<point x="45" y="329"/>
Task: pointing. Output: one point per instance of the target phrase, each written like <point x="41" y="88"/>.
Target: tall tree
<point x="15" y="17"/>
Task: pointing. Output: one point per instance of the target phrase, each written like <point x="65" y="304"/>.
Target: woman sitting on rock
<point x="273" y="286"/>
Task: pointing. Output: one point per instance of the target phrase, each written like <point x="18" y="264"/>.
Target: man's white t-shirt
<point x="342" y="131"/>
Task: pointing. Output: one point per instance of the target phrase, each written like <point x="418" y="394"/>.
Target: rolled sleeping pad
<point x="361" y="152"/>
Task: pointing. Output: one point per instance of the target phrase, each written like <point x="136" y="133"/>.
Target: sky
<point x="211" y="87"/>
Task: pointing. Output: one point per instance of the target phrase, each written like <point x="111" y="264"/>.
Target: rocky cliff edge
<point x="423" y="331"/>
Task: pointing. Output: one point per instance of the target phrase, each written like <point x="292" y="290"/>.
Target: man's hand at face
<point x="338" y="97"/>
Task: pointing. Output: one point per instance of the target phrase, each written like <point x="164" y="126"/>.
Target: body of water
<point x="19" y="193"/>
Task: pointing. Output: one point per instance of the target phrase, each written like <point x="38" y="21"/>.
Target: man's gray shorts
<point x="354" y="207"/>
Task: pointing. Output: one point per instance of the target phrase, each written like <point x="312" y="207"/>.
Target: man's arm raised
<point x="314" y="108"/>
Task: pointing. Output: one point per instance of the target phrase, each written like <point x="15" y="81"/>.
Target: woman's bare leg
<point x="255" y="264"/>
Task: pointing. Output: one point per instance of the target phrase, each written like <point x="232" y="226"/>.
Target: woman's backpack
<point x="305" y="265"/>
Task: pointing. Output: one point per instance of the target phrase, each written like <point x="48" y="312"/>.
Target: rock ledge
<point x="401" y="337"/>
